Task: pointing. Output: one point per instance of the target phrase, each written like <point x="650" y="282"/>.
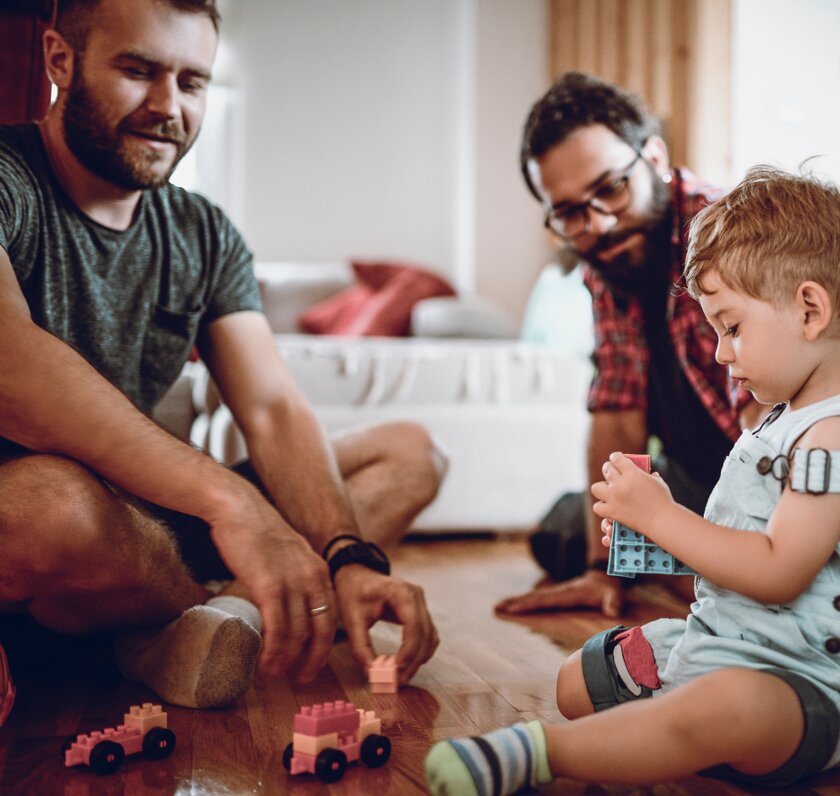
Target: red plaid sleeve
<point x="621" y="354"/>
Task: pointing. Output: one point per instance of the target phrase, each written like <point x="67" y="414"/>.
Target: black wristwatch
<point x="365" y="553"/>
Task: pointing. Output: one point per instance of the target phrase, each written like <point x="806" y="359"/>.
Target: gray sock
<point x="203" y="659"/>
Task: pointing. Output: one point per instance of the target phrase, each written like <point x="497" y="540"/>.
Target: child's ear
<point x="815" y="303"/>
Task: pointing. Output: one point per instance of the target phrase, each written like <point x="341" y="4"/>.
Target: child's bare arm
<point x="775" y="568"/>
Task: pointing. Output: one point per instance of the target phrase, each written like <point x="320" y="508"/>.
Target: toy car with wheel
<point x="143" y="730"/>
<point x="328" y="736"/>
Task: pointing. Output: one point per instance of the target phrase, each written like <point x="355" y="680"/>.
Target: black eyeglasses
<point x="610" y="199"/>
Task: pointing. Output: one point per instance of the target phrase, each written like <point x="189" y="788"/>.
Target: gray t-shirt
<point x="131" y="302"/>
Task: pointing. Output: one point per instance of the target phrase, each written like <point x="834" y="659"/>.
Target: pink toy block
<point x="641" y="460"/>
<point x="7" y="689"/>
<point x="383" y="675"/>
<point x="144" y="717"/>
<point x="145" y="731"/>
<point x="130" y="738"/>
<point x="313" y="744"/>
<point x="338" y="716"/>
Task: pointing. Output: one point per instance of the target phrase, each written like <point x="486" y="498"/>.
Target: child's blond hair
<point x="766" y="237"/>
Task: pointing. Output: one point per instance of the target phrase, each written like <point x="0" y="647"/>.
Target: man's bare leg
<point x="80" y="559"/>
<point x="392" y="471"/>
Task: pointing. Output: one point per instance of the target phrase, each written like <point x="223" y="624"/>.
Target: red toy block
<point x="105" y="750"/>
<point x="641" y="460"/>
<point x="383" y="675"/>
<point x="7" y="689"/>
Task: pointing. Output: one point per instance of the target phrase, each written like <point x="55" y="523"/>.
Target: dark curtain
<point x="24" y="87"/>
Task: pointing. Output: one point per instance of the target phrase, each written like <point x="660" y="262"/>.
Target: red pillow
<point x="379" y="305"/>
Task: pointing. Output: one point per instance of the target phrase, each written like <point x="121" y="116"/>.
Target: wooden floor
<point x="487" y="672"/>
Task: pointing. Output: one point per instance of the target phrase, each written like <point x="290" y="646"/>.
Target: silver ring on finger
<point x="321" y="609"/>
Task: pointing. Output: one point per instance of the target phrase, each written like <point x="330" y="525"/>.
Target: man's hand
<point x="365" y="597"/>
<point x="284" y="578"/>
<point x="593" y="589"/>
<point x="628" y="494"/>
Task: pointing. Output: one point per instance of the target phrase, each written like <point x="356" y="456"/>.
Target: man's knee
<point x="420" y="458"/>
<point x="53" y="510"/>
<point x="572" y="696"/>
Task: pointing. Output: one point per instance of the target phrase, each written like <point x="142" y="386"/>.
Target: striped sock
<point x="498" y="763"/>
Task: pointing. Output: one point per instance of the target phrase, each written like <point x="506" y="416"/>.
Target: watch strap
<point x="365" y="553"/>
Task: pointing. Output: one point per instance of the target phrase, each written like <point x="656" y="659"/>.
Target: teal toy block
<point x="632" y="553"/>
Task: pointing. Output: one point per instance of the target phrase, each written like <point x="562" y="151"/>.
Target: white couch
<point x="509" y="413"/>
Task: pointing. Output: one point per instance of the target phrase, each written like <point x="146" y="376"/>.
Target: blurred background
<point x="390" y="128"/>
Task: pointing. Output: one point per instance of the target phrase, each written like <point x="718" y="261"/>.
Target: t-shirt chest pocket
<point x="170" y="337"/>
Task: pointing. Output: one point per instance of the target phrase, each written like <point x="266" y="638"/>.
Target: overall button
<point x="836" y="603"/>
<point x="764" y="465"/>
<point x="833" y="645"/>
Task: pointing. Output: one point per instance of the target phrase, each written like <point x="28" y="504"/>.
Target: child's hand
<point x="607" y="530"/>
<point x="629" y="495"/>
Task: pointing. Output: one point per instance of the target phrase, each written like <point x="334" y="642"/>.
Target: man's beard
<point x="100" y="149"/>
<point x="626" y="272"/>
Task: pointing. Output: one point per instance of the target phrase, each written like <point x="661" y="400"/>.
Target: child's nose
<point x="723" y="352"/>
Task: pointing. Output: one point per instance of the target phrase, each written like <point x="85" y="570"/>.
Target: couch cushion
<point x="289" y="288"/>
<point x="379" y="304"/>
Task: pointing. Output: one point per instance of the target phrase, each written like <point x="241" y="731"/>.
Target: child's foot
<point x="203" y="659"/>
<point x="501" y="762"/>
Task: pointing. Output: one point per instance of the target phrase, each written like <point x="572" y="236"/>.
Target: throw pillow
<point x="379" y="305"/>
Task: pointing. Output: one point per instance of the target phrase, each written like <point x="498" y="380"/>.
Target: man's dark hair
<point x="578" y="100"/>
<point x="75" y="18"/>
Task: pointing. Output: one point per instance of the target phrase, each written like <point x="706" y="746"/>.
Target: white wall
<point x="387" y="128"/>
<point x="786" y="74"/>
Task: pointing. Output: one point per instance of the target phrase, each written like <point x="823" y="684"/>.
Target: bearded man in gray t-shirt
<point x="109" y="275"/>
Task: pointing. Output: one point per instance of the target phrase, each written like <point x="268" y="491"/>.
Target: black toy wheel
<point x="288" y="752"/>
<point x="375" y="751"/>
<point x="158" y="743"/>
<point x="106" y="757"/>
<point x="330" y="765"/>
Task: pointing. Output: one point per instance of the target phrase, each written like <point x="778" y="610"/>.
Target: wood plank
<point x="488" y="671"/>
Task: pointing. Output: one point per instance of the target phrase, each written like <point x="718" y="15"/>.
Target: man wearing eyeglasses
<point x="594" y="159"/>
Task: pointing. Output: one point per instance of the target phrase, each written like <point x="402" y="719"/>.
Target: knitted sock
<point x="203" y="659"/>
<point x="238" y="606"/>
<point x="501" y="762"/>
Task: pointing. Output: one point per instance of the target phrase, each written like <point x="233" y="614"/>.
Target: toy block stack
<point x="632" y="553"/>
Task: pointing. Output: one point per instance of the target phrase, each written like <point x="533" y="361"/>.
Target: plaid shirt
<point x="621" y="351"/>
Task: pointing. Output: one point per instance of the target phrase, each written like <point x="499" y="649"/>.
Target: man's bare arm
<point x="296" y="461"/>
<point x="608" y="431"/>
<point x="53" y="401"/>
<point x="286" y="443"/>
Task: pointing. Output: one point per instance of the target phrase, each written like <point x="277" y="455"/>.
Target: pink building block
<point x="383" y="675"/>
<point x="7" y="689"/>
<point x="641" y="460"/>
<point x="130" y="738"/>
<point x="144" y="717"/>
<point x="338" y="716"/>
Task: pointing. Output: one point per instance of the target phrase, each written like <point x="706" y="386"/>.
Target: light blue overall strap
<point x="815" y="471"/>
